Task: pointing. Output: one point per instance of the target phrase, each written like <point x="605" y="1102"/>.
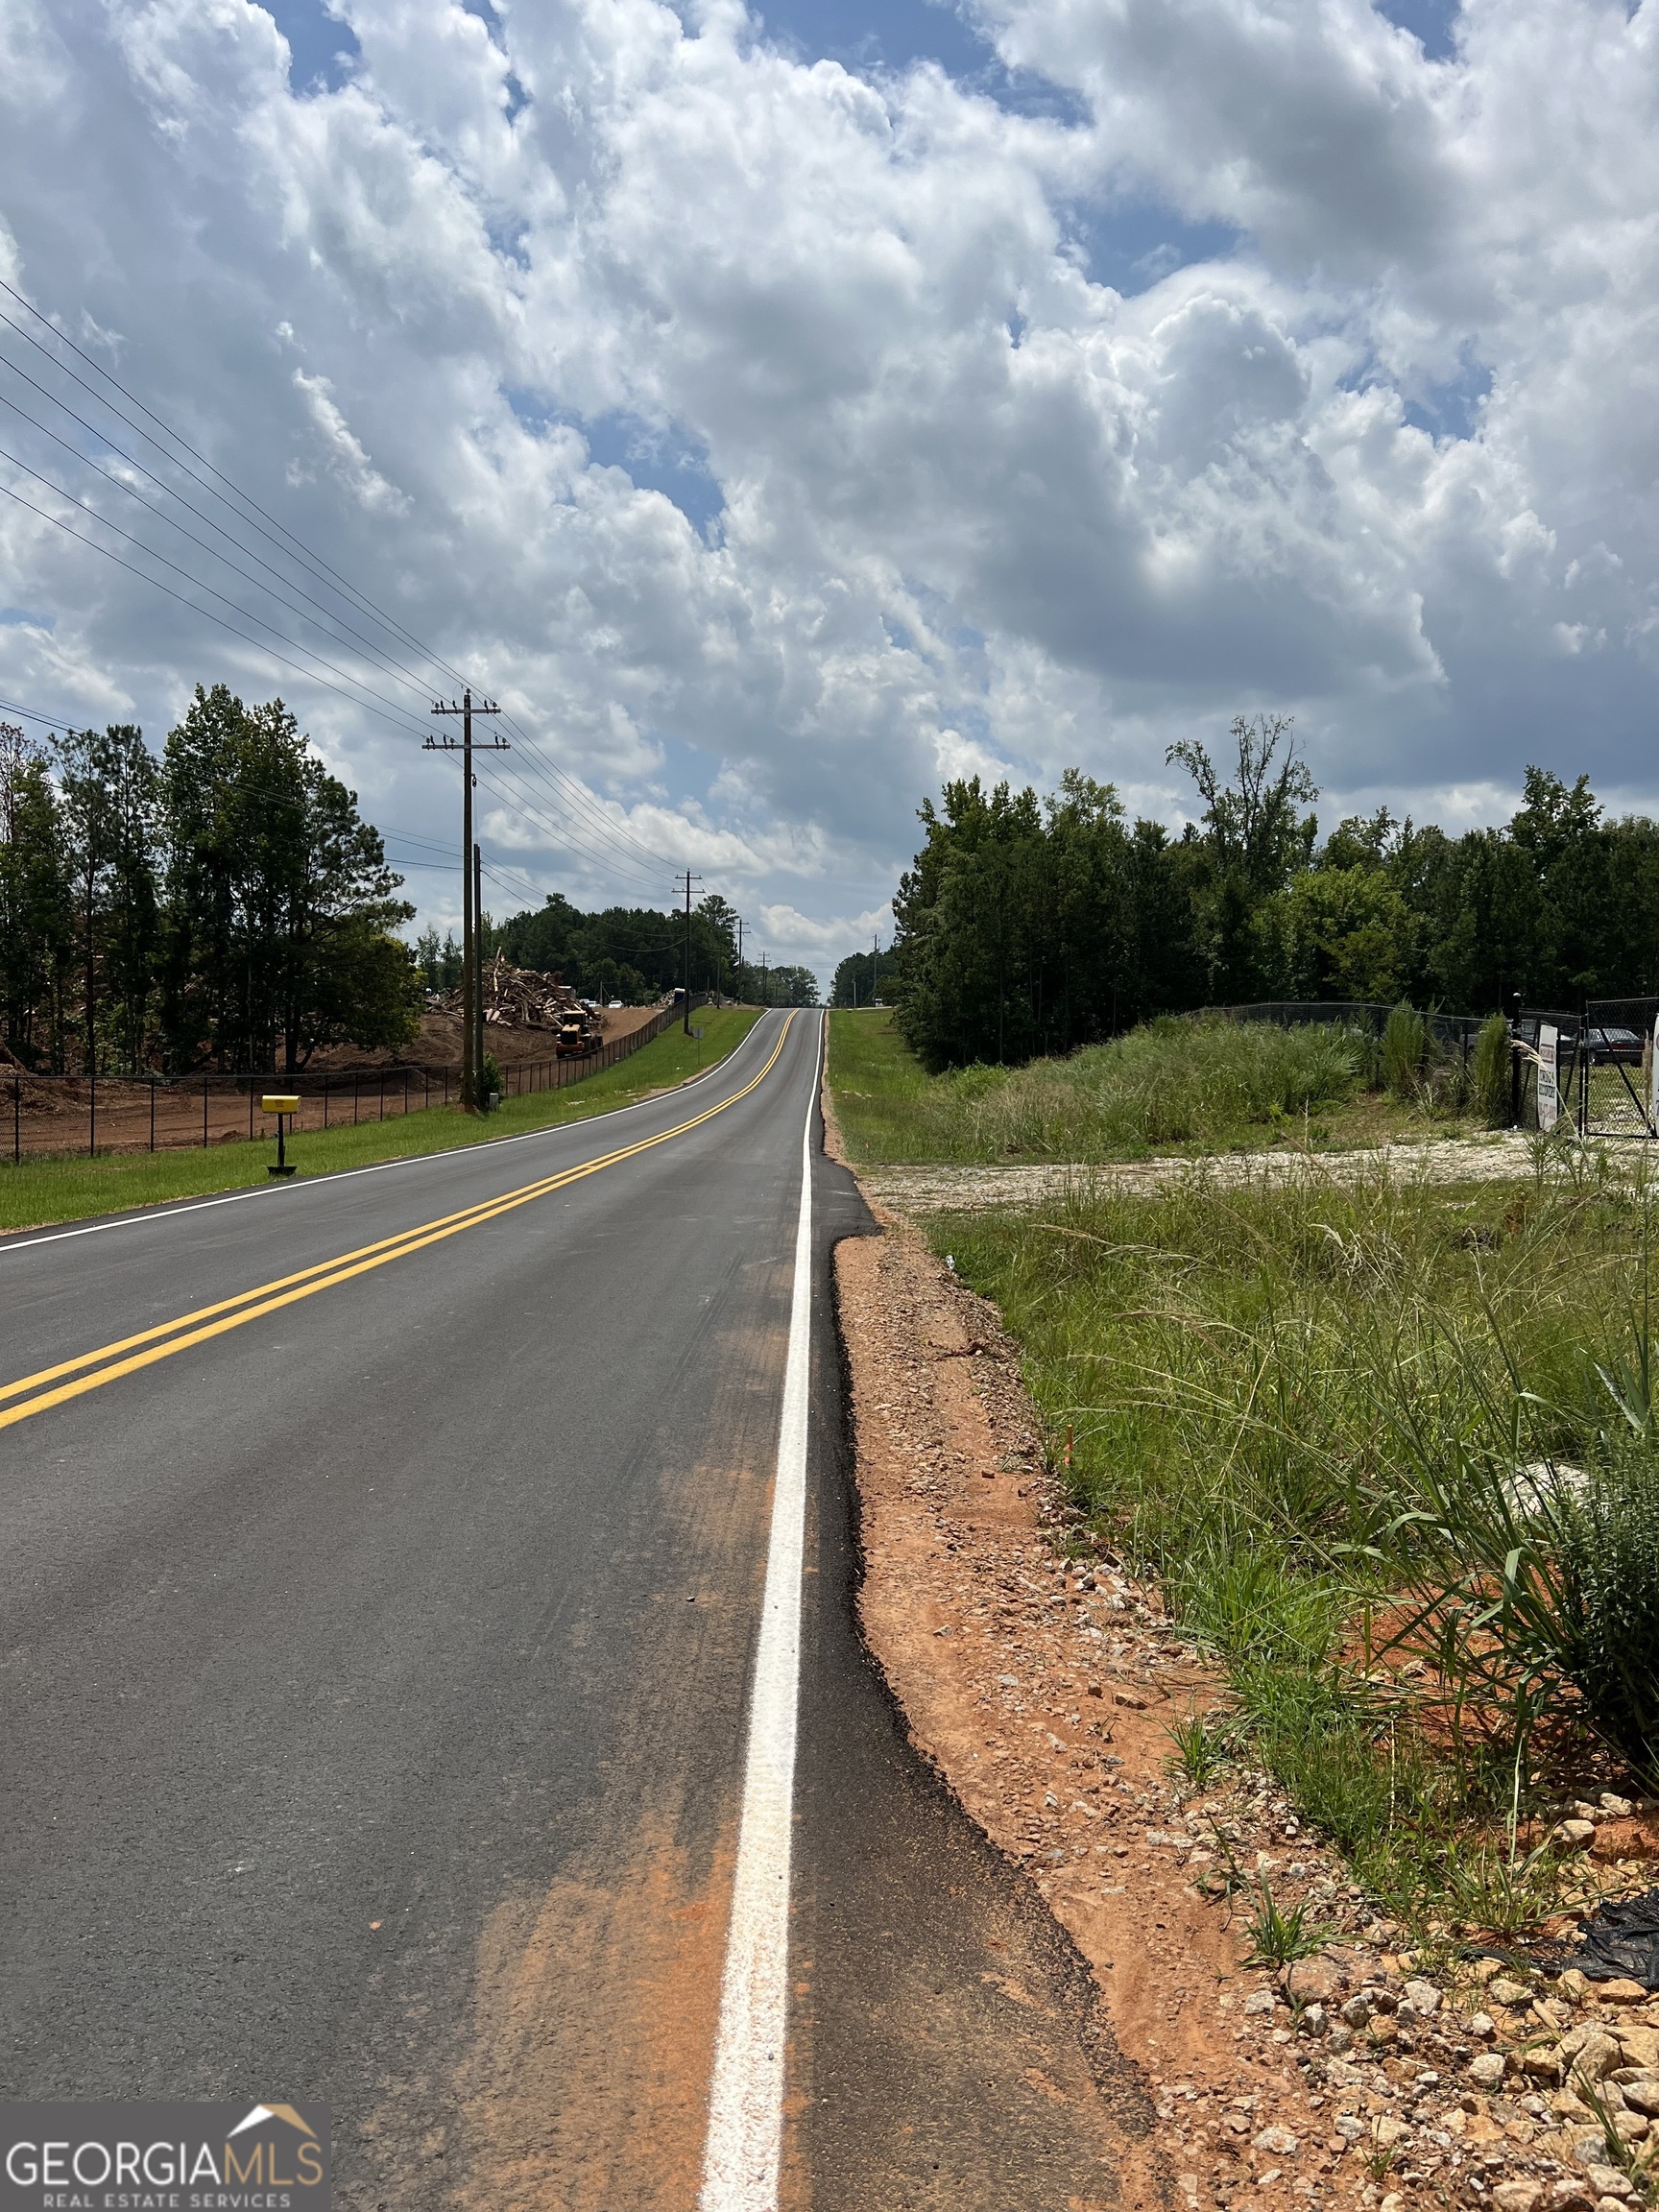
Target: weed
<point x="1377" y="2159"/>
<point x="1501" y="1892"/>
<point x="1278" y="1936"/>
<point x="1234" y="1881"/>
<point x="1200" y="1752"/>
<point x="1621" y="2155"/>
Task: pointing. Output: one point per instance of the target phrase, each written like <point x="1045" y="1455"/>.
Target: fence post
<point x="203" y="1113"/>
<point x="1583" y="1081"/>
<point x="250" y="1108"/>
<point x="356" y="1094"/>
<point x="427" y="1073"/>
<point x="325" y="1099"/>
<point x="17" y="1119"/>
<point x="151" y="1112"/>
<point x="93" y="1119"/>
<point x="382" y="1094"/>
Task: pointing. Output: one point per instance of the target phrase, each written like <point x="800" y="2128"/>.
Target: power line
<point x="313" y="561"/>
<point x="565" y="838"/>
<point x="583" y="798"/>
<point x="598" y="824"/>
<point x="157" y="584"/>
<point x="568" y="835"/>
<point x="596" y="819"/>
<point x="535" y="887"/>
<point x="34" y="715"/>
<point x="623" y="841"/>
<point x="201" y="585"/>
<point x="385" y="659"/>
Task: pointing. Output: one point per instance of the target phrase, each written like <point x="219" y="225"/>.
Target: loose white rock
<point x="1608" y="2181"/>
<point x="1280" y="2141"/>
<point x="1517" y="2195"/>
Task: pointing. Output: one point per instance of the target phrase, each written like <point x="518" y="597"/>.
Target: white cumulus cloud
<point x="768" y="439"/>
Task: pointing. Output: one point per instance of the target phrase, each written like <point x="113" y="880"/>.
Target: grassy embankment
<point x="1332" y="1422"/>
<point x="36" y="1192"/>
<point x="1175" y="1086"/>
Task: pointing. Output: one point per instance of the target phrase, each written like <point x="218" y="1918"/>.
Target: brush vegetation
<point x="1200" y="1082"/>
<point x="1392" y="1453"/>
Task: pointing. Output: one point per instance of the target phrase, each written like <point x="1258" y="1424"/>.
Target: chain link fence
<point x="86" y="1115"/>
<point x="1453" y="1032"/>
<point x="1616" y="1078"/>
<point x="1591" y="1071"/>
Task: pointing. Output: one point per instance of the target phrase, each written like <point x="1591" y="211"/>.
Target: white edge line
<point x="150" y="1216"/>
<point x="743" y="2152"/>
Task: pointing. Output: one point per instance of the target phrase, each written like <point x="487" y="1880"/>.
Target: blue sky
<point x="782" y="440"/>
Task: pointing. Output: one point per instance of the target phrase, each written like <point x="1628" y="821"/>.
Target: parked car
<point x="1609" y="1046"/>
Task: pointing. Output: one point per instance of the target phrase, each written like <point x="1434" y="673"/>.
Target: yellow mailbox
<point x="281" y="1103"/>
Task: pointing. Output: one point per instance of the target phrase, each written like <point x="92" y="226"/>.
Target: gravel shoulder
<point x="954" y="1189"/>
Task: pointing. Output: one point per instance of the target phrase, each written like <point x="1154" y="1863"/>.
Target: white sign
<point x="1548" y="1081"/>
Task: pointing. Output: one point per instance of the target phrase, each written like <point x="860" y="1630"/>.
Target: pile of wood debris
<point x="524" y="998"/>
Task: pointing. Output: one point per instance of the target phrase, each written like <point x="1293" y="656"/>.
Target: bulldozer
<point x="578" y="1035"/>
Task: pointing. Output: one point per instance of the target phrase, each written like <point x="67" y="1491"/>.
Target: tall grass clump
<point x="1391" y="1451"/>
<point x="1404" y="1045"/>
<point x="1491" y="1072"/>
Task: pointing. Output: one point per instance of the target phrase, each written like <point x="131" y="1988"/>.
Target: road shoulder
<point x="1042" y="1690"/>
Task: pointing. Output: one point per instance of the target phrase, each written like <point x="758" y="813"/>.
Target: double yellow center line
<point x="93" y="1369"/>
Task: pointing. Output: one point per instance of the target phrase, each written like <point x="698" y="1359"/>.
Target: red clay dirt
<point x="55" y="1117"/>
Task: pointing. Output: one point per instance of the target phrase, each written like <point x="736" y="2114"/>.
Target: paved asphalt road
<point x="375" y="1676"/>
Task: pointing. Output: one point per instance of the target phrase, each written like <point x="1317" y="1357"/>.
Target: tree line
<point x="224" y="905"/>
<point x="1029" y="926"/>
<point x="634" y="953"/>
<point x="862" y="978"/>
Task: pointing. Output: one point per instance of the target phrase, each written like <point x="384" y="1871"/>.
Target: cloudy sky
<point x="781" y="410"/>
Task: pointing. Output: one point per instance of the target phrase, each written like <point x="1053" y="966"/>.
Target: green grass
<point x="1173" y="1085"/>
<point x="879" y="1088"/>
<point x="35" y="1194"/>
<point x="1306" y="1411"/>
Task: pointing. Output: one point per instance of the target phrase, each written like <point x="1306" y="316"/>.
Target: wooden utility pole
<point x="739" y="988"/>
<point x="478" y="968"/>
<point x="471" y="992"/>
<point x="689" y="880"/>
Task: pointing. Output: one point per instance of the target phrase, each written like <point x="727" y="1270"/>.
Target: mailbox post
<point x="281" y="1104"/>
